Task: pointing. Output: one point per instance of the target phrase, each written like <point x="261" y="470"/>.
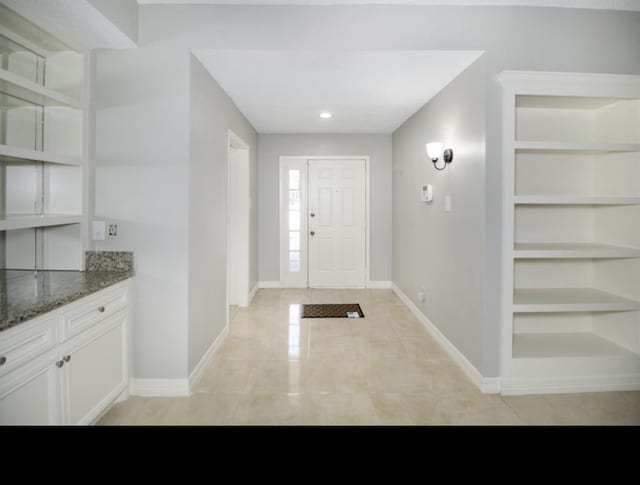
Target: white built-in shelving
<point x="554" y="199"/>
<point x="554" y="300"/>
<point x="22" y="155"/>
<point x="18" y="87"/>
<point x="42" y="148"/>
<point x="577" y="147"/>
<point x="26" y="221"/>
<point x="571" y="259"/>
<point x="568" y="250"/>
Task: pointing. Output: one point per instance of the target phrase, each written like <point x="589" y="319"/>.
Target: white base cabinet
<point x="29" y="395"/>
<point x="95" y="372"/>
<point x="53" y="376"/>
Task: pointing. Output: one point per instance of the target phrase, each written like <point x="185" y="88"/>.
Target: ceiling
<point x="75" y="21"/>
<point x="366" y="91"/>
<point x="632" y="5"/>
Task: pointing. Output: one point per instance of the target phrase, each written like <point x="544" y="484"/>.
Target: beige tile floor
<point x="275" y="368"/>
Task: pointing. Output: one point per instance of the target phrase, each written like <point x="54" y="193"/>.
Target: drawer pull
<point x="3" y="360"/>
<point x="60" y="363"/>
<point x="101" y="309"/>
<point x="66" y="358"/>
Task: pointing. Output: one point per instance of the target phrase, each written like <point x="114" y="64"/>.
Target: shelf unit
<point x="571" y="258"/>
<point x="43" y="148"/>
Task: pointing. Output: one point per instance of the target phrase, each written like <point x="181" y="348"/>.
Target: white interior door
<point x="337" y="223"/>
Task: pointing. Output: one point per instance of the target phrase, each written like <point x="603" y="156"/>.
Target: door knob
<point x="313" y="233"/>
<point x="312" y="214"/>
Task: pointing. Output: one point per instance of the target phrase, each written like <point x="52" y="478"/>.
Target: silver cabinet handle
<point x="313" y="233"/>
<point x="3" y="360"/>
<point x="66" y="358"/>
<point x="101" y="309"/>
<point x="60" y="363"/>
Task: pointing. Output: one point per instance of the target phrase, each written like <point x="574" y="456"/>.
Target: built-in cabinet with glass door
<point x="571" y="267"/>
<point x="42" y="148"/>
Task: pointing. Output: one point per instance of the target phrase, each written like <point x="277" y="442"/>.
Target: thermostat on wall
<point x="426" y="193"/>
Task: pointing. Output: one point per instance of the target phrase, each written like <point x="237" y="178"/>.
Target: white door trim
<point x="284" y="160"/>
<point x="235" y="142"/>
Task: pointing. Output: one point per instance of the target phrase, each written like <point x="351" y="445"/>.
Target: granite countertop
<point x="25" y="295"/>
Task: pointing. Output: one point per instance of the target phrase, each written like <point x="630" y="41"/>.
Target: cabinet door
<point x="29" y="395"/>
<point x="96" y="371"/>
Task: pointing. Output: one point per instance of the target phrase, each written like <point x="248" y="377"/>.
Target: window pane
<point x="294" y="179"/>
<point x="294" y="241"/>
<point x="294" y="220"/>
<point x="294" y="200"/>
<point x="294" y="262"/>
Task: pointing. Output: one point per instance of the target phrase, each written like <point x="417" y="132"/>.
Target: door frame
<point x="237" y="143"/>
<point x="283" y="249"/>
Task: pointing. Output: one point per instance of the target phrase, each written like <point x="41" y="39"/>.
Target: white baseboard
<point x="491" y="385"/>
<point x="252" y="293"/>
<point x="379" y="284"/>
<point x="160" y="387"/>
<point x="269" y="284"/>
<point x="554" y="385"/>
<point x="206" y="359"/>
<point x="487" y="385"/>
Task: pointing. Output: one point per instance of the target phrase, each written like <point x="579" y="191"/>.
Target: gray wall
<point x="142" y="141"/>
<point x="142" y="185"/>
<point x="212" y="114"/>
<point x="378" y="147"/>
<point x="437" y="252"/>
<point x="526" y="38"/>
<point x="160" y="173"/>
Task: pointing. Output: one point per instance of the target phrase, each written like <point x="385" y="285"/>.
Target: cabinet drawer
<point x="93" y="310"/>
<point x="25" y="344"/>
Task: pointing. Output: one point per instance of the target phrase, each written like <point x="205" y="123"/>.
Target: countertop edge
<point x="12" y="321"/>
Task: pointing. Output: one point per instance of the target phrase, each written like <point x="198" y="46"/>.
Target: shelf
<point x="575" y="200"/>
<point x="548" y="300"/>
<point x="577" y="147"/>
<point x="565" y="102"/>
<point x="554" y="345"/>
<point x="13" y="154"/>
<point x="572" y="250"/>
<point x="27" y="221"/>
<point x="34" y="93"/>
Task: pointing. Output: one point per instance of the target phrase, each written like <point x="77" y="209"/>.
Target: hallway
<point x="382" y="370"/>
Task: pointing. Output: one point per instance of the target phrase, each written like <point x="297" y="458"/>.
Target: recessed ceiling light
<point x="325" y="115"/>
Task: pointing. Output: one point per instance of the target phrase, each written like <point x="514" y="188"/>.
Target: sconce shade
<point x="434" y="150"/>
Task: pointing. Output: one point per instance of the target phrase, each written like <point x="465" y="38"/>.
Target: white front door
<point x="337" y="223"/>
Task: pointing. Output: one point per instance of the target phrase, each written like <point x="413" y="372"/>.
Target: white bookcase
<point x="571" y="256"/>
<point x="42" y="148"/>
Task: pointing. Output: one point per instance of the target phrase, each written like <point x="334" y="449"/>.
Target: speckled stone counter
<point x="25" y="295"/>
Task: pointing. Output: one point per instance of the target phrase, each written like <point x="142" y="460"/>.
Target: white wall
<point x="378" y="147"/>
<point x="212" y="114"/>
<point x="121" y="13"/>
<point x="437" y="252"/>
<point x="142" y="185"/>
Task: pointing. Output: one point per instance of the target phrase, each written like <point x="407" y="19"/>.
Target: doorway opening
<point x="238" y="223"/>
<point x="324" y="222"/>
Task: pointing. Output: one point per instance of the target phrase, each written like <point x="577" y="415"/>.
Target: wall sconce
<point x="434" y="150"/>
